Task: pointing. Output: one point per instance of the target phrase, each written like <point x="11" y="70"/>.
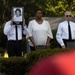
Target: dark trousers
<point x="14" y="48"/>
<point x="39" y="47"/>
<point x="32" y="48"/>
<point x="69" y="43"/>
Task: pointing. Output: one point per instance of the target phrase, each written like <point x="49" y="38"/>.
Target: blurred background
<point x="53" y="11"/>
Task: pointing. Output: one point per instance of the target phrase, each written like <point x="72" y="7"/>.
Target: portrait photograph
<point x="17" y="14"/>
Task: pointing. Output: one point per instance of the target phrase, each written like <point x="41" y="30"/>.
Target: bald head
<point x="68" y="15"/>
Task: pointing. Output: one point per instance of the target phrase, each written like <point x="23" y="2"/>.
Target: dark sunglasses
<point x="68" y="15"/>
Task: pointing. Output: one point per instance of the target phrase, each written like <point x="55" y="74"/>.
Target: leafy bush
<point x="34" y="56"/>
<point x="3" y="39"/>
<point x="22" y="65"/>
<point x="54" y="43"/>
<point x="13" y="66"/>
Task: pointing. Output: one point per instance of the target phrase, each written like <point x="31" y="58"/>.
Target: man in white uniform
<point x="66" y="31"/>
<point x="14" y="46"/>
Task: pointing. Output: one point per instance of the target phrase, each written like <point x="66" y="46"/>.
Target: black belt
<point x="67" y="40"/>
<point x="14" y="40"/>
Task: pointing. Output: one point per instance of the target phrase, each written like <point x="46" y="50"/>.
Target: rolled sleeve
<point x="26" y="31"/>
<point x="30" y="27"/>
<point x="59" y="35"/>
<point x="7" y="28"/>
<point x="49" y="31"/>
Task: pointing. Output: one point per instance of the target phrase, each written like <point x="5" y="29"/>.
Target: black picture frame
<point x="18" y="15"/>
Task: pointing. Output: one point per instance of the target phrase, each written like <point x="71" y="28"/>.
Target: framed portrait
<point x="18" y="15"/>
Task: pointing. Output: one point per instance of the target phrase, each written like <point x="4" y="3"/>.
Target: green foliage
<point x="33" y="57"/>
<point x="24" y="44"/>
<point x="21" y="65"/>
<point x="49" y="7"/>
<point x="13" y="65"/>
<point x="3" y="39"/>
<point x="54" y="43"/>
<point x="2" y="51"/>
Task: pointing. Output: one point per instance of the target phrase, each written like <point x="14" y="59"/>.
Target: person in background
<point x="14" y="47"/>
<point x="40" y="32"/>
<point x="66" y="30"/>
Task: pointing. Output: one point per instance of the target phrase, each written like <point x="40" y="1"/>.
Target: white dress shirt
<point x="39" y="32"/>
<point x="62" y="32"/>
<point x="10" y="31"/>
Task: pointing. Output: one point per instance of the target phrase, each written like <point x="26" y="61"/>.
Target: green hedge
<point x="54" y="43"/>
<point x="22" y="65"/>
<point x="3" y="39"/>
<point x="13" y="66"/>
